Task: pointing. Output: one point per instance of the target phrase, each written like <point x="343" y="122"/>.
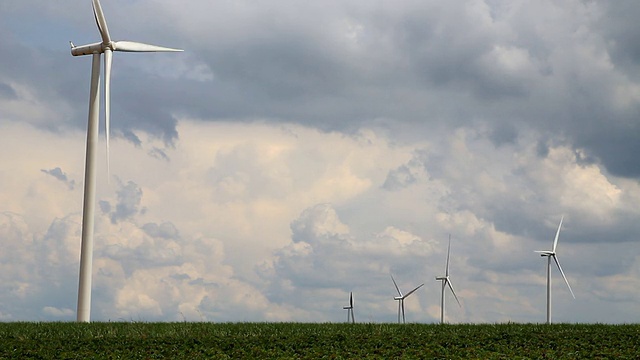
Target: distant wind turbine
<point x="552" y="254"/>
<point x="350" y="309"/>
<point x="107" y="46"/>
<point x="446" y="281"/>
<point x="400" y="298"/>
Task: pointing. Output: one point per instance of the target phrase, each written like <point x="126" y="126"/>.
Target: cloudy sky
<point x="298" y="151"/>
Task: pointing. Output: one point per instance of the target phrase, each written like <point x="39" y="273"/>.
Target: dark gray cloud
<point x="412" y="172"/>
<point x="421" y="64"/>
<point x="159" y="154"/>
<point x="7" y="92"/>
<point x="399" y="178"/>
<point x="60" y="175"/>
<point x="165" y="230"/>
<point x="451" y="64"/>
<point x="128" y="203"/>
<point x="621" y="33"/>
<point x="105" y="206"/>
<point x="132" y="138"/>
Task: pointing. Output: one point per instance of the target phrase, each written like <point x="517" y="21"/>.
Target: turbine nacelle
<point x="90" y="49"/>
<point x="545" y="252"/>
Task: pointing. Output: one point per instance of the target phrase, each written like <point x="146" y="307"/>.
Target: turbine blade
<point x="448" y="252"/>
<point x="107" y="102"/>
<point x="131" y="46"/>
<point x="564" y="277"/>
<point x="453" y="292"/>
<point x="412" y="291"/>
<point x="403" y="318"/>
<point x="351" y="299"/>
<point x="396" y="285"/>
<point x="555" y="241"/>
<point x="101" y="21"/>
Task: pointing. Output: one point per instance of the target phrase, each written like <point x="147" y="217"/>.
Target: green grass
<point x="316" y="341"/>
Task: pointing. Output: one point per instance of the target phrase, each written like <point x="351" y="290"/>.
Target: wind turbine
<point x="401" y="298"/>
<point x="446" y="281"/>
<point x="552" y="254"/>
<point x="350" y="309"/>
<point x="106" y="47"/>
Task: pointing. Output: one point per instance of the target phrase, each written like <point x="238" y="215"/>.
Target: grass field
<point x="316" y="341"/>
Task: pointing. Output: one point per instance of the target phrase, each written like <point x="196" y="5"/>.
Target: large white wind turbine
<point x="400" y="298"/>
<point x="552" y="254"/>
<point x="446" y="281"/>
<point x="350" y="309"/>
<point x="106" y="47"/>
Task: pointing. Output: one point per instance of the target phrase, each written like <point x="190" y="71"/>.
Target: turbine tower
<point x="106" y="47"/>
<point x="552" y="254"/>
<point x="400" y="298"/>
<point x="350" y="309"/>
<point x="446" y="281"/>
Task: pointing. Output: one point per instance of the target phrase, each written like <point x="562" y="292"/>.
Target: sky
<point x="299" y="151"/>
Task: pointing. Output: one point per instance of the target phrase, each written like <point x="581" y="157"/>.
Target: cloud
<point x="128" y="205"/>
<point x="159" y="153"/>
<point x="326" y="260"/>
<point x="296" y="152"/>
<point x="60" y="175"/>
<point x="60" y="313"/>
<point x="7" y="92"/>
<point x="342" y="66"/>
<point x="263" y="222"/>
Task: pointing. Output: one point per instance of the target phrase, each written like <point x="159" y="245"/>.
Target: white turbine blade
<point x="403" y="318"/>
<point x="107" y="102"/>
<point x="130" y="46"/>
<point x="448" y="252"/>
<point x="564" y="277"/>
<point x="102" y="22"/>
<point x="555" y="241"/>
<point x="396" y="285"/>
<point x="453" y="292"/>
<point x="412" y="291"/>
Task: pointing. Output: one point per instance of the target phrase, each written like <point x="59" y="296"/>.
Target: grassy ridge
<point x="315" y="341"/>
